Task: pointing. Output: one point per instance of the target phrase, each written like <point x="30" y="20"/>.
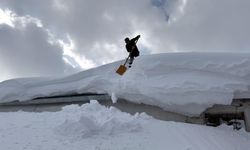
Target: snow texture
<point x="186" y="83"/>
<point x="97" y="120"/>
<point x="96" y="127"/>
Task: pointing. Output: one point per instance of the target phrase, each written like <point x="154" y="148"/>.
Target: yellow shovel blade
<point x="121" y="70"/>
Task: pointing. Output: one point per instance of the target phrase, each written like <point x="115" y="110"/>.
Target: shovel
<point x="122" y="69"/>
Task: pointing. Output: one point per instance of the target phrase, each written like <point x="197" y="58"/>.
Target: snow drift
<point x="186" y="83"/>
<point x="96" y="127"/>
<point x="95" y="119"/>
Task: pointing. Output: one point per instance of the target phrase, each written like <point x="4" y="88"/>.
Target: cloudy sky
<point x="60" y="37"/>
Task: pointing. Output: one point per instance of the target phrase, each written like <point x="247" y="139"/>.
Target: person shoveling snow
<point x="133" y="52"/>
<point x="132" y="48"/>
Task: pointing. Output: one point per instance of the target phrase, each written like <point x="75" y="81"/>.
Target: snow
<point x="186" y="83"/>
<point x="114" y="98"/>
<point x="95" y="120"/>
<point x="96" y="127"/>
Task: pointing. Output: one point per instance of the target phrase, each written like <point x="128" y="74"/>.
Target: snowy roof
<point x="186" y="83"/>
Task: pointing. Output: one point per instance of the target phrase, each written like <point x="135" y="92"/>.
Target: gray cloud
<point x="210" y="25"/>
<point x="94" y="25"/>
<point x="97" y="28"/>
<point x="25" y="51"/>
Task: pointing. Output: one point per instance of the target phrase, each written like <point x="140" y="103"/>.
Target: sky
<point x="62" y="37"/>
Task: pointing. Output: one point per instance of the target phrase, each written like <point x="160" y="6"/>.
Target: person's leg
<point x="131" y="59"/>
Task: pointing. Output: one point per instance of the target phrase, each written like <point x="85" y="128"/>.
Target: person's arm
<point x="136" y="38"/>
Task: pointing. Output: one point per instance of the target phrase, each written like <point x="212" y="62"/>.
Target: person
<point x="132" y="48"/>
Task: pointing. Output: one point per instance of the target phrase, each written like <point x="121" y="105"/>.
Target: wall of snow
<point x="186" y="83"/>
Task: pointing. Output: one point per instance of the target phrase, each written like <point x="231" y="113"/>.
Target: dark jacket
<point x="132" y="48"/>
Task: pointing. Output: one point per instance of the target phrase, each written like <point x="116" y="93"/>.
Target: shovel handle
<point x="126" y="60"/>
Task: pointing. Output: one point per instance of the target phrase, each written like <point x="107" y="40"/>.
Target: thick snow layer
<point x="186" y="83"/>
<point x="95" y="120"/>
<point x="96" y="127"/>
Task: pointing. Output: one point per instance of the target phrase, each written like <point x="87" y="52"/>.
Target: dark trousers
<point x="130" y="61"/>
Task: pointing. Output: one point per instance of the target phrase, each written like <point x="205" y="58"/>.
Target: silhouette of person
<point x="132" y="48"/>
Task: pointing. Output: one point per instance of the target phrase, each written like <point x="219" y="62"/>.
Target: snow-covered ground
<point x="96" y="127"/>
<point x="186" y="83"/>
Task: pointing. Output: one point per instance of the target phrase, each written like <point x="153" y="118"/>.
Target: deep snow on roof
<point x="186" y="83"/>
